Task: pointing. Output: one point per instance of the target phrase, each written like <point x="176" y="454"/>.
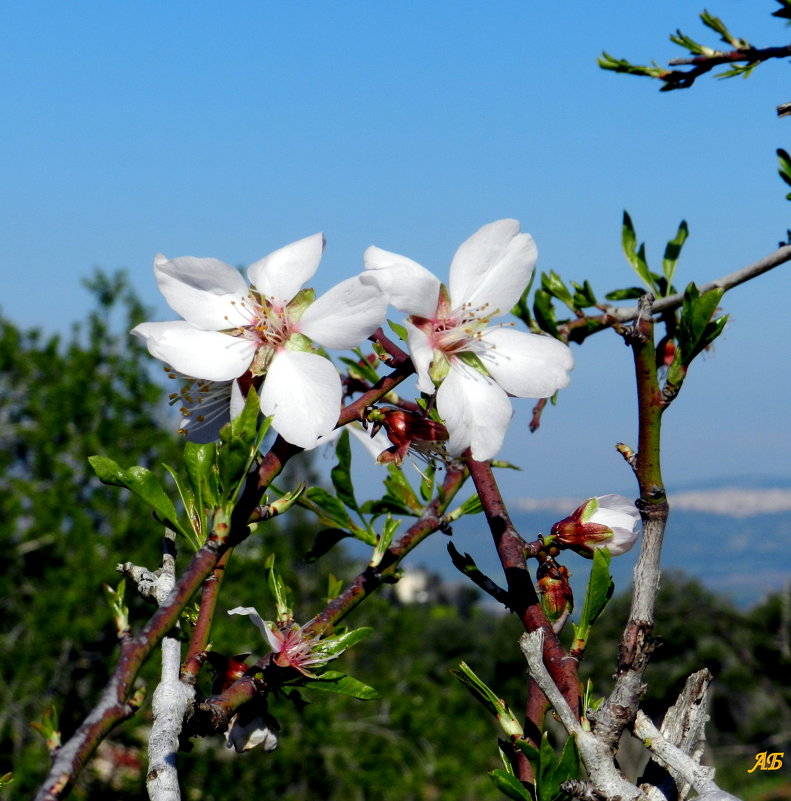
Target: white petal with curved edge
<point x="374" y="445"/>
<point x="422" y="355"/>
<point x="616" y="511"/>
<point x="526" y="365"/>
<point x="195" y="352"/>
<point x="493" y="267"/>
<point x="409" y="286"/>
<point x="303" y="393"/>
<point x="621" y="541"/>
<point x="282" y="273"/>
<point x="475" y="410"/>
<point x="252" y="613"/>
<point x="206" y="292"/>
<point x="345" y="315"/>
<point x="237" y="400"/>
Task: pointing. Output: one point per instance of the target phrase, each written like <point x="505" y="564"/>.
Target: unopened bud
<point x="608" y="521"/>
<point x="283" y="504"/>
<point x="557" y="598"/>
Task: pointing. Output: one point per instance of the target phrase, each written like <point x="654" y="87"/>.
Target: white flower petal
<point x="194" y="352"/>
<point x="475" y="410"/>
<point x="410" y="287"/>
<point x="254" y="617"/>
<point x="237" y="400"/>
<point x="282" y="273"/>
<point x="493" y="266"/>
<point x="374" y="445"/>
<point x="345" y="315"/>
<point x="422" y="355"/>
<point x="206" y="292"/>
<point x="526" y="365"/>
<point x="250" y="734"/>
<point x="615" y="511"/>
<point x="303" y="392"/>
<point x="621" y="516"/>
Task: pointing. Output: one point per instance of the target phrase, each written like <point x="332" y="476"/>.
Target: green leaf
<point x="341" y="474"/>
<point x="387" y="504"/>
<point x="634" y="255"/>
<point x="532" y="753"/>
<point x="232" y="460"/>
<point x="489" y="699"/>
<point x="694" y="47"/>
<point x="600" y="586"/>
<point x="195" y="514"/>
<point x="398" y="330"/>
<point x="143" y="483"/>
<point x="522" y="309"/>
<point x="568" y="767"/>
<point x="284" y="601"/>
<point x="785" y="165"/>
<point x="584" y="296"/>
<point x="199" y="462"/>
<point x="712" y="331"/>
<point x="597" y="595"/>
<point x="334" y="682"/>
<point x="245" y="425"/>
<point x="326" y="539"/>
<point x="427" y="483"/>
<point x="544" y="312"/>
<point x="716" y="24"/>
<point x="552" y="283"/>
<point x="672" y="253"/>
<point x="608" y="62"/>
<point x="509" y="785"/>
<point x="329" y="509"/>
<point x="361" y="368"/>
<point x="334" y="587"/>
<point x="400" y="492"/>
<point x="472" y="506"/>
<point x="507" y="766"/>
<point x="697" y="330"/>
<point x="384" y="539"/>
<point x="336" y="645"/>
<point x="630" y="293"/>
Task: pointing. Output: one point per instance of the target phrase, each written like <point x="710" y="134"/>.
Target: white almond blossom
<point x="267" y="331"/>
<point x="472" y="364"/>
<point x="291" y="645"/>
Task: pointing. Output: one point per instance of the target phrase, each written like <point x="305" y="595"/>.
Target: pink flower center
<point x="269" y="322"/>
<point x="460" y="330"/>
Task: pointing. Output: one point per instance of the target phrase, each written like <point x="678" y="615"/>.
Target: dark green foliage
<point x="62" y="400"/>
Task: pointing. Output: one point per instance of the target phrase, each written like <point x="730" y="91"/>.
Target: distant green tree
<point x="61" y="400"/>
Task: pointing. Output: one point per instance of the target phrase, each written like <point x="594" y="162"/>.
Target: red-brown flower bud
<point x="557" y="598"/>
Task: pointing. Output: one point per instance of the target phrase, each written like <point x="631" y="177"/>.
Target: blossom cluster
<point x="271" y="333"/>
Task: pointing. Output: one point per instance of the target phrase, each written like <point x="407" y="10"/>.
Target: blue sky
<point x="231" y="129"/>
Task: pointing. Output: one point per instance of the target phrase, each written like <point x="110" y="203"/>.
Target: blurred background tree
<point x="63" y="399"/>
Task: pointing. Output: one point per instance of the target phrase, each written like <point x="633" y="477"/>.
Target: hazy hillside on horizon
<point x="735" y="539"/>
